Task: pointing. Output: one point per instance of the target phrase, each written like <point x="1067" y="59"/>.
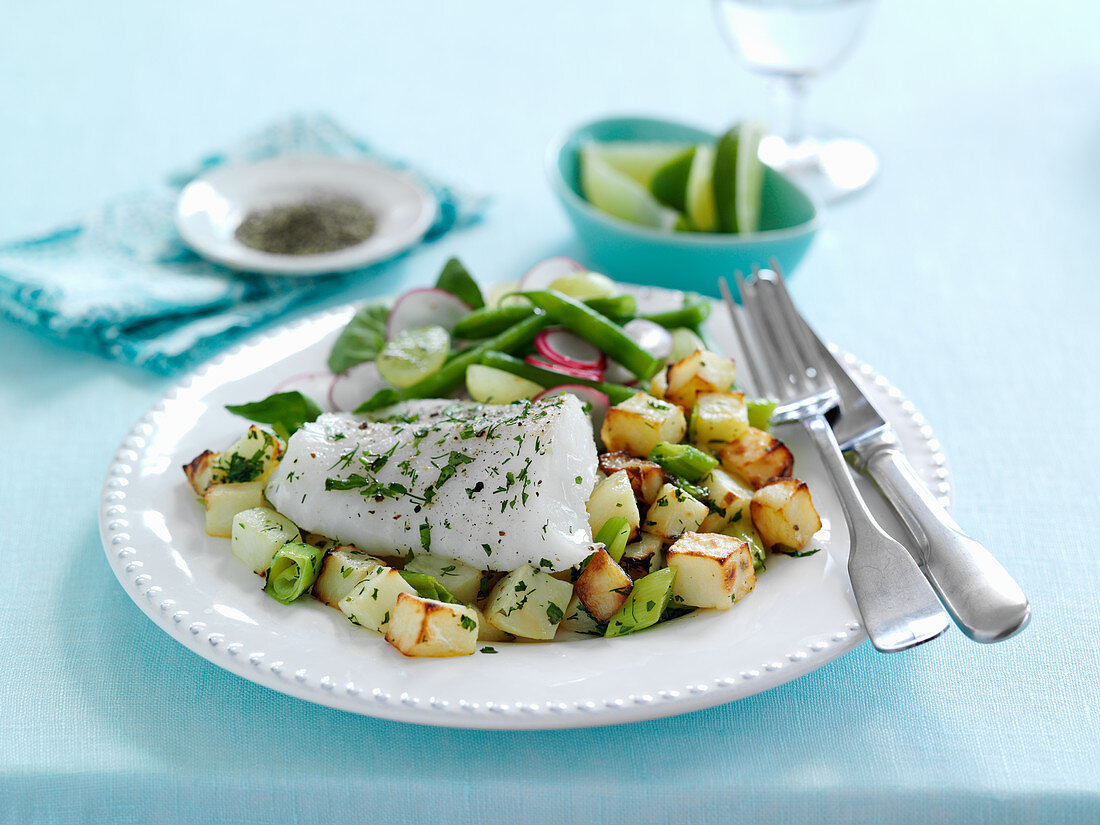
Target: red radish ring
<point x="354" y="385"/>
<point x="425" y="306"/>
<point x="536" y="361"/>
<point x="598" y="402"/>
<point x="544" y="273"/>
<point x="316" y="385"/>
<point x="563" y="347"/>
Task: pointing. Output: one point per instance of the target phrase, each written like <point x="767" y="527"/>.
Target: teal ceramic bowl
<point x="681" y="260"/>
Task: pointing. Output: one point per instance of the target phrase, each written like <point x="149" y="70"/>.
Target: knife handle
<point x="984" y="600"/>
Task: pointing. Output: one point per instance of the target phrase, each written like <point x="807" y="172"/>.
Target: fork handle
<point x="899" y="608"/>
<point x="981" y="596"/>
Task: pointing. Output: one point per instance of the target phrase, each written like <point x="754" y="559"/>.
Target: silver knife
<point x="982" y="598"/>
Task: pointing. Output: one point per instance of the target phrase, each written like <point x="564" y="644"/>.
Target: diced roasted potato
<point x="603" y="586"/>
<point x="528" y="603"/>
<point x="200" y="471"/>
<point x="613" y="497"/>
<point x="224" y="501"/>
<point x="640" y="423"/>
<point x="423" y="627"/>
<point x="317" y="540"/>
<point x="646" y="477"/>
<point x="712" y="570"/>
<point x="642" y="557"/>
<point x="672" y="513"/>
<point x="254" y="457"/>
<point x="729" y="498"/>
<point x="658" y="384"/>
<point x="718" y="418"/>
<point x="783" y="513"/>
<point x="701" y="372"/>
<point x="258" y="534"/>
<point x="758" y="457"/>
<point x="461" y="579"/>
<point x="487" y="632"/>
<point x="372" y="602"/>
<point x="579" y="620"/>
<point x="343" y="568"/>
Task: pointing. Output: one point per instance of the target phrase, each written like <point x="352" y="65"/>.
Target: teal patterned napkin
<point x="122" y="284"/>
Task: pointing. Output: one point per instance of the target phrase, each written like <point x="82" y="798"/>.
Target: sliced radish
<point x="569" y="350"/>
<point x="537" y="361"/>
<point x="544" y="273"/>
<point x="653" y="338"/>
<point x="597" y="401"/>
<point x="424" y="307"/>
<point x="316" y="385"/>
<point x="355" y="385"/>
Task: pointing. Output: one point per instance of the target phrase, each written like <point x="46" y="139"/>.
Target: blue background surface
<point x="967" y="275"/>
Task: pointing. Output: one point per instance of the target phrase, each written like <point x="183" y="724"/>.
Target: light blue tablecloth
<point x="966" y="275"/>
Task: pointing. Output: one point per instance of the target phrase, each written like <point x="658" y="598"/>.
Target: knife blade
<point x="983" y="599"/>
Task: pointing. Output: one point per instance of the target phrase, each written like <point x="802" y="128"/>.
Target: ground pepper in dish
<point x="323" y="224"/>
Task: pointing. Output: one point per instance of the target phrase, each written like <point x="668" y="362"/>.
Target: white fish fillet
<point x="492" y="486"/>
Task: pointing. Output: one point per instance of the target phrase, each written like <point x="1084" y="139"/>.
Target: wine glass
<point x="792" y="42"/>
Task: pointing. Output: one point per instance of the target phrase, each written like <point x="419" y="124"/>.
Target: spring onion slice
<point x="645" y="604"/>
<point x="613" y="536"/>
<point x="760" y="412"/>
<point x="293" y="571"/>
<point x="690" y="463"/>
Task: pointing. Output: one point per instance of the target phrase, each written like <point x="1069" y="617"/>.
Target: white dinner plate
<point x="800" y="616"/>
<point x="212" y="206"/>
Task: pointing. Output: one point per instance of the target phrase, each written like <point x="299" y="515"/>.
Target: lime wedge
<point x="413" y="354"/>
<point x="739" y="177"/>
<point x="669" y="184"/>
<point x="620" y="195"/>
<point x="638" y="159"/>
<point x="701" y="209"/>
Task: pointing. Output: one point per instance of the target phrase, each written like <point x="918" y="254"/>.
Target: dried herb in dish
<point x="312" y="227"/>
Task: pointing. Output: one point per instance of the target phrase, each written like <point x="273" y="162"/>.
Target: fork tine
<point x="749" y="353"/>
<point x="777" y="384"/>
<point x="782" y="339"/>
<point x="803" y="337"/>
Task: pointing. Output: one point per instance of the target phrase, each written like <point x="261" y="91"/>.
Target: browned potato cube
<point x="646" y="477"/>
<point x="758" y="457"/>
<point x="603" y="586"/>
<point x="642" y="557"/>
<point x="638" y="424"/>
<point x="784" y="515"/>
<point x="200" y="471"/>
<point x="424" y="627"/>
<point x="712" y="570"/>
<point x="700" y="372"/>
<point x="673" y="513"/>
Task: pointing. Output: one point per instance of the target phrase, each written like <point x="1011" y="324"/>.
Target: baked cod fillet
<point x="493" y="486"/>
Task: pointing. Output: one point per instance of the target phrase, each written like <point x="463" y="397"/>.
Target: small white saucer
<point x="212" y="206"/>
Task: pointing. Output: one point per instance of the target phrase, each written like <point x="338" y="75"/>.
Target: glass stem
<point x="791" y="95"/>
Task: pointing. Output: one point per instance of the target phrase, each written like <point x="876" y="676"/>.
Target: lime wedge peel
<point x="618" y="194"/>
<point x="638" y="159"/>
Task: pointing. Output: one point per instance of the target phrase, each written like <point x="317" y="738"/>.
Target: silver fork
<point x="899" y="608"/>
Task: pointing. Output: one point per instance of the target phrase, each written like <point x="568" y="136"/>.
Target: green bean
<point x="597" y="329"/>
<point x="616" y="393"/>
<point x="481" y="323"/>
<point x="453" y="372"/>
<point x="695" y="310"/>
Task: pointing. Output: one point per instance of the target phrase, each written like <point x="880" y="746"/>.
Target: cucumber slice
<point x="684" y="343"/>
<point x="413" y="355"/>
<point x="488" y="385"/>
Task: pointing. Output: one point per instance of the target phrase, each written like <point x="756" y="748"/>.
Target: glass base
<point x="829" y="166"/>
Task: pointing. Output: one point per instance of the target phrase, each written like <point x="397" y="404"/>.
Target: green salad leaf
<point x="456" y="279"/>
<point x="362" y="339"/>
<point x="284" y="411"/>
